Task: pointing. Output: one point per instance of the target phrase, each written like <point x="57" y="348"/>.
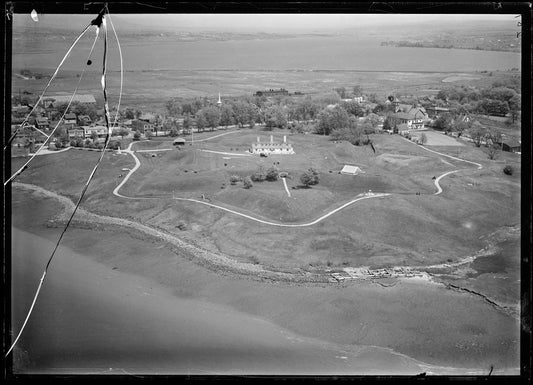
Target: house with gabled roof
<point x="70" y="119"/>
<point x="42" y="122"/>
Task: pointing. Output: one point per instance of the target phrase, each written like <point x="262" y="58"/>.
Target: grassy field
<point x="401" y="229"/>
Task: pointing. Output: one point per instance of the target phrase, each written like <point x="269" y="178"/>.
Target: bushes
<point x="272" y="174"/>
<point x="310" y="177"/>
<point x="259" y="175"/>
<point x="248" y="182"/>
<point x="508" y="170"/>
<point x="234" y="179"/>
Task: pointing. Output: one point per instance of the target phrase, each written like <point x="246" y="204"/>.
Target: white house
<point x="99" y="130"/>
<point x="272" y="147"/>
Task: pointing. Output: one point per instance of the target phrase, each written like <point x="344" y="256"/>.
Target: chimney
<point x="271" y="138"/>
<point x="284" y="138"/>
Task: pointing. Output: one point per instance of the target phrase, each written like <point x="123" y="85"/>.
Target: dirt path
<point x="439" y="188"/>
<point x="286" y="188"/>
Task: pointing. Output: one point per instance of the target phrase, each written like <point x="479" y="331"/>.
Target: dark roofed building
<point x="271" y="92"/>
<point x="435" y="111"/>
<point x="511" y="145"/>
<point x="70" y="119"/>
<point x="42" y="123"/>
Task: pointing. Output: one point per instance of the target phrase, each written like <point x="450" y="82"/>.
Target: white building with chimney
<point x="272" y="147"/>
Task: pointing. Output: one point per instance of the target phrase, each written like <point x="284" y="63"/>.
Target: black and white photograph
<point x="213" y="191"/>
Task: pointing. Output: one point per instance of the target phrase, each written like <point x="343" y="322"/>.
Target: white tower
<point x="219" y="103"/>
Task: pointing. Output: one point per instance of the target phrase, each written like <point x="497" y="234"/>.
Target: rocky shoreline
<point x="385" y="277"/>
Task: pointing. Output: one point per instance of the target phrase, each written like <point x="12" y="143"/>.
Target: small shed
<point x="350" y="170"/>
<point x="179" y="142"/>
<point x="511" y="145"/>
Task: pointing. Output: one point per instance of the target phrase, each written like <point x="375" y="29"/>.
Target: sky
<point x="261" y="22"/>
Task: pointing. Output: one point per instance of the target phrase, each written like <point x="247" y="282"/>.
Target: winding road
<point x="278" y="224"/>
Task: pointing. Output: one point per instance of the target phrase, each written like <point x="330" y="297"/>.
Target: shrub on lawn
<point x="310" y="177"/>
<point x="272" y="174"/>
<point x="508" y="170"/>
<point x="248" y="182"/>
<point x="259" y="175"/>
<point x="234" y="179"/>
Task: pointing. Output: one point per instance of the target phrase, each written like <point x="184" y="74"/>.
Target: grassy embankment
<point x="402" y="229"/>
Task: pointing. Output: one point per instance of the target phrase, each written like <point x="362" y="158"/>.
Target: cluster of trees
<point x="77" y="108"/>
<point x="501" y="98"/>
<point x="309" y="178"/>
<point x="342" y="125"/>
<point x="278" y="112"/>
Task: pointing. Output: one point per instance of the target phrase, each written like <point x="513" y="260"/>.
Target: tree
<point x="373" y="120"/>
<point x="234" y="179"/>
<point x="94" y="136"/>
<point x="226" y="115"/>
<point x="201" y="122"/>
<point x="515" y="105"/>
<point x="423" y="138"/>
<point x="306" y="109"/>
<point x="244" y="113"/>
<point x="443" y="123"/>
<point x="248" y="182"/>
<point x="354" y="108"/>
<point x="136" y="135"/>
<point x="310" y="177"/>
<point x="352" y="133"/>
<point x="259" y="175"/>
<point x="390" y="123"/>
<point x="211" y="116"/>
<point x="358" y="91"/>
<point x="148" y="134"/>
<point x="187" y="123"/>
<point x="173" y="107"/>
<point x="341" y="91"/>
<point x="129" y="114"/>
<point x="493" y="150"/>
<point x="477" y="133"/>
<point x="331" y="119"/>
<point x="272" y="174"/>
<point x="275" y="116"/>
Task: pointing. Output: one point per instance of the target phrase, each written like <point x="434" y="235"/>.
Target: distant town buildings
<point x="272" y="147"/>
<point x="272" y="92"/>
<point x="434" y="111"/>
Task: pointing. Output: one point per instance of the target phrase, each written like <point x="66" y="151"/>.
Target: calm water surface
<point x="306" y="53"/>
<point x="92" y="319"/>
